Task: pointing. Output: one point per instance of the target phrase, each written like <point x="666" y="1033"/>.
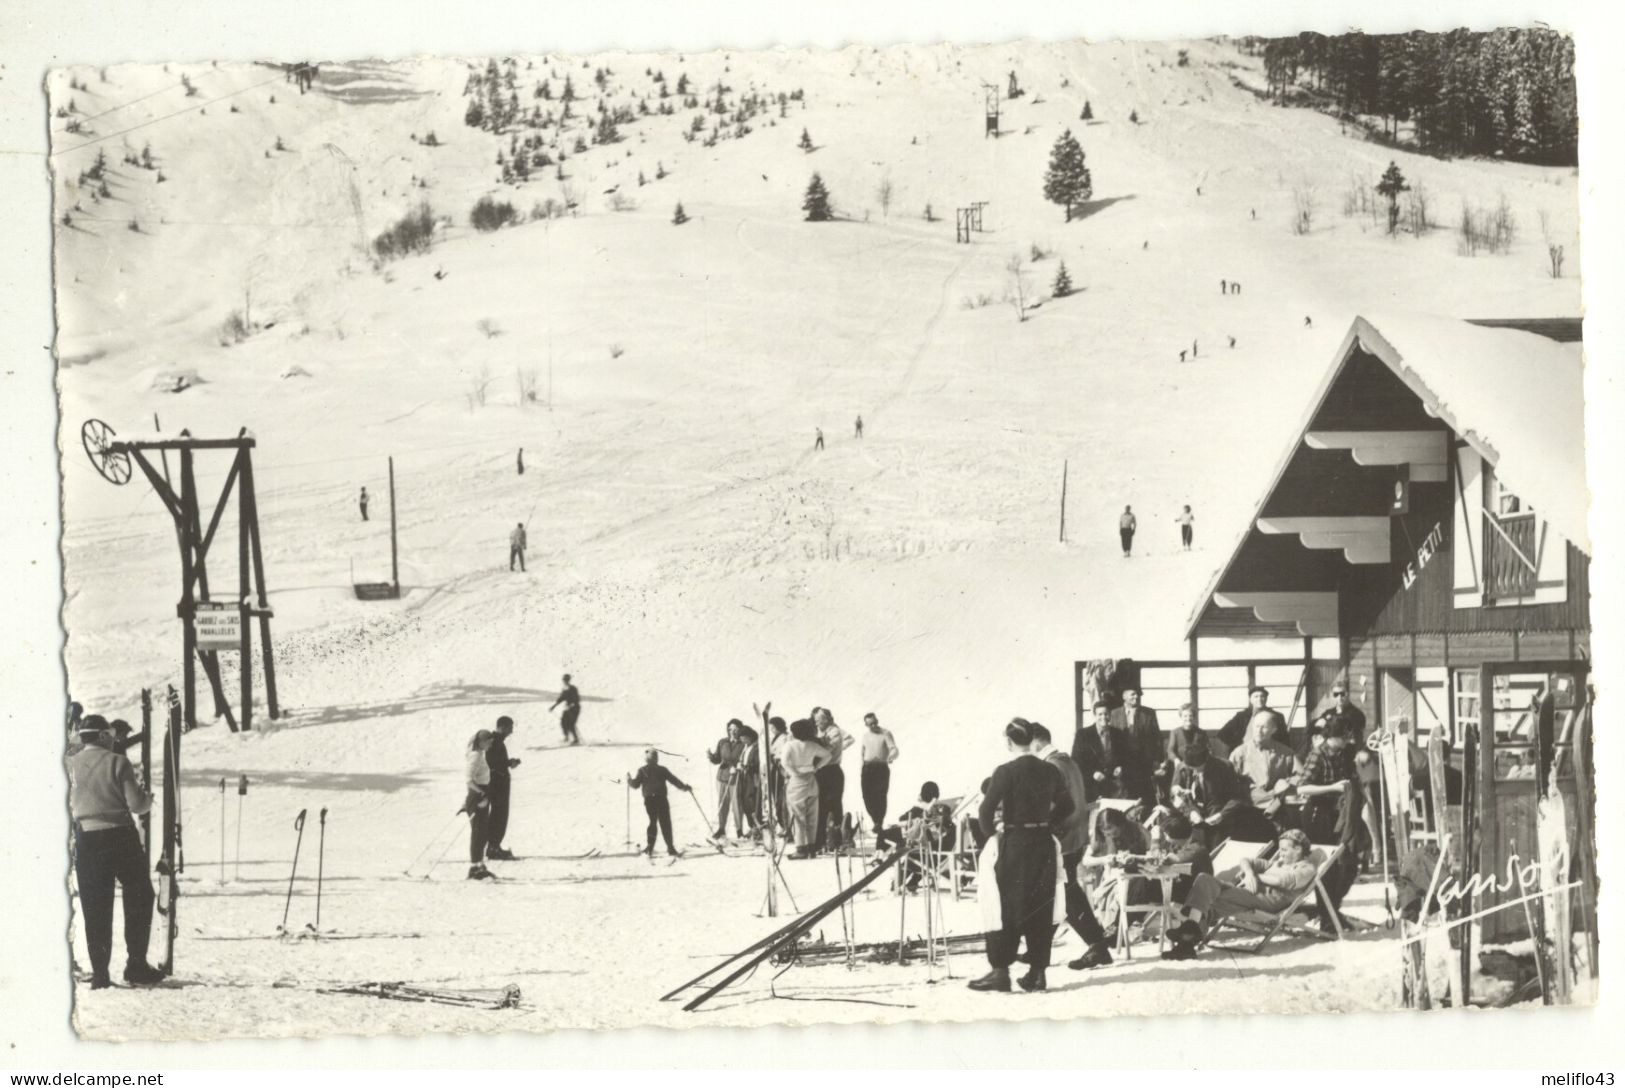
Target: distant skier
<point x="651" y="778"/>
<point x="1185" y="520"/>
<point x="1308" y="323"/>
<point x="477" y="803"/>
<point x="516" y="546"/>
<point x="1232" y="341"/>
<point x="571" y="698"/>
<point x="1224" y="287"/>
<point x="1194" y="352"/>
<point x="818" y="441"/>
<point x="501" y="787"/>
<point x="1126" y="524"/>
<point x="859" y="426"/>
<point x="1182" y="355"/>
<point x="104" y="798"/>
<point x="363" y="501"/>
<point x="1235" y="288"/>
<point x="521" y="460"/>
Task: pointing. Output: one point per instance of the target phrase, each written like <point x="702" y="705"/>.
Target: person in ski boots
<point x="651" y="778"/>
<point x="477" y="803"/>
<point x="105" y="796"/>
<point x="571" y="698"/>
<point x="501" y="766"/>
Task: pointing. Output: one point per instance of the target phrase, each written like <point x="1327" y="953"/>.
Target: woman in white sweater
<point x="478" y="803"/>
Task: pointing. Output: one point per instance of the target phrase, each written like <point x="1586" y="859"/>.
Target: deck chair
<point x="1266" y="924"/>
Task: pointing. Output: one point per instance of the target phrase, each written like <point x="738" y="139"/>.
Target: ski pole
<point x="321" y="854"/>
<point x="430" y="844"/>
<point x="299" y="826"/>
<point x="705" y="821"/>
<point x="444" y="850"/>
<point x="222" y="831"/>
<point x="242" y="791"/>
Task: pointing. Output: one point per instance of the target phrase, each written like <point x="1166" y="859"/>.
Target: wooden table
<point x="1165" y="873"/>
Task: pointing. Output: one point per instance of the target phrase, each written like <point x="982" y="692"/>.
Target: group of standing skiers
<point x="806" y="780"/>
<point x="1128" y="525"/>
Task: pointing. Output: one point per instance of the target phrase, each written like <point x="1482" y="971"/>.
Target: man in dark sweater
<point x="501" y="765"/>
<point x="1234" y="731"/>
<point x="571" y="698"/>
<point x="1030" y="799"/>
<point x="652" y="779"/>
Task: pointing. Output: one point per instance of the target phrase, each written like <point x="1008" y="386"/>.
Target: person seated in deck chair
<point x="1264" y="887"/>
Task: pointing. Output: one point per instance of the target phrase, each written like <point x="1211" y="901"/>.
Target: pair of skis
<point x="314" y="928"/>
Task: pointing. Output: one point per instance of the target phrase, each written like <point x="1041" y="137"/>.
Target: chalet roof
<point x="1515" y="395"/>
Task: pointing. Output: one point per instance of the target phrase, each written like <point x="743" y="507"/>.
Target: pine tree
<point x="475" y="115"/>
<point x="1063" y="282"/>
<point x="1067" y="180"/>
<point x="607" y="132"/>
<point x="816" y="202"/>
<point x="805" y="142"/>
<point x="679" y="217"/>
<point x="1391" y="185"/>
<point x="1088" y="113"/>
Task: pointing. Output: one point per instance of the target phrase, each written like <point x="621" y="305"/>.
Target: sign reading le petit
<point x="219" y="626"/>
<point x="1424" y="554"/>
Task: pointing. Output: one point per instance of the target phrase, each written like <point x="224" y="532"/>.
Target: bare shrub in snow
<point x="234" y="329"/>
<point x="1489" y="229"/>
<point x="491" y="214"/>
<point x="412" y="233"/>
<point x="490" y="328"/>
<point x="616" y="351"/>
<point x="1017" y="286"/>
<point x="1419" y="210"/>
<point x="1304" y="206"/>
<point x="526" y="379"/>
<point x="883" y="194"/>
<point x="477" y="388"/>
<point x="620" y="202"/>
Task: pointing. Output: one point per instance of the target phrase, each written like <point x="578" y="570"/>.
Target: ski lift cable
<point x="165" y="117"/>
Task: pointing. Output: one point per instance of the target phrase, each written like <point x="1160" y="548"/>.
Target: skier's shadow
<point x="442" y="696"/>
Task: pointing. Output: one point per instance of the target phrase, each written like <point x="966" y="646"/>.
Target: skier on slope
<point x="651" y="778"/>
<point x="477" y="803"/>
<point x="516" y="547"/>
<point x="104" y="798"/>
<point x="1126" y="525"/>
<point x="571" y="698"/>
<point x="1186" y="521"/>
<point x="501" y="766"/>
<point x="363" y="503"/>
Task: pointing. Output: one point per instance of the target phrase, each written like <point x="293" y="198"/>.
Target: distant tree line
<point x="1507" y="92"/>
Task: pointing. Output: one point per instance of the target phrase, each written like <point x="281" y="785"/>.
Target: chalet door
<point x="1510" y="759"/>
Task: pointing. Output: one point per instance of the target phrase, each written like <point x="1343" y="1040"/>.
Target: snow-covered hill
<point x="690" y="551"/>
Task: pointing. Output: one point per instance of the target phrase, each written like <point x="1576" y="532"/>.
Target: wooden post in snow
<point x="1063" y="502"/>
<point x="394" y="560"/>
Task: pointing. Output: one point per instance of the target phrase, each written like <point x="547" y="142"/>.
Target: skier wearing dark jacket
<point x="1031" y="801"/>
<point x="501" y="765"/>
<point x="651" y="778"/>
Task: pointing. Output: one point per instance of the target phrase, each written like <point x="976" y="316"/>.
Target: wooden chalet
<point x="1430" y="523"/>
